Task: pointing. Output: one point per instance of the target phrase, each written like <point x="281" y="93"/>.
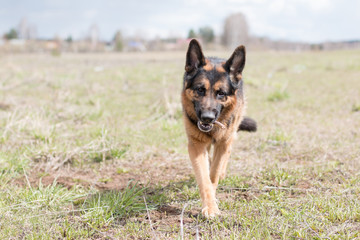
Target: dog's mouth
<point x="205" y="127"/>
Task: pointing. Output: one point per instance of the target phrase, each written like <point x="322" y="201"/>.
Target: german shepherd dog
<point x="213" y="106"/>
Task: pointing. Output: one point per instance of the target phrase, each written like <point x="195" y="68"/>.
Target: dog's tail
<point x="248" y="124"/>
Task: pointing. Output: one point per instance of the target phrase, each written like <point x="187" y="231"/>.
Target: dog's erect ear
<point x="236" y="64"/>
<point x="194" y="57"/>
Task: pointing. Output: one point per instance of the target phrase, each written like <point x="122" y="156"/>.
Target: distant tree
<point x="118" y="41"/>
<point x="207" y="34"/>
<point x="69" y="39"/>
<point x="236" y="30"/>
<point x="192" y="34"/>
<point x="12" y="34"/>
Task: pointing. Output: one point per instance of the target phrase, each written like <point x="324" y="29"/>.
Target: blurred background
<point x="88" y="26"/>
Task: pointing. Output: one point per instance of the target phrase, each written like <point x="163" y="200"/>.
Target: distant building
<point x="94" y="36"/>
<point x="23" y="31"/>
<point x="135" y="46"/>
<point x="26" y="31"/>
<point x="236" y="30"/>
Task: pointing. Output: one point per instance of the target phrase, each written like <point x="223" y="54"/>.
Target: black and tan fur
<point x="212" y="91"/>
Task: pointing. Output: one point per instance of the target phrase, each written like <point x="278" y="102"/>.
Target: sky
<point x="295" y="20"/>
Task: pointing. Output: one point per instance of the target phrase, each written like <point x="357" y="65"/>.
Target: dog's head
<point x="212" y="84"/>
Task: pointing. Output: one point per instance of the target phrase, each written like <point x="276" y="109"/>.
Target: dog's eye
<point x="200" y="90"/>
<point x="221" y="94"/>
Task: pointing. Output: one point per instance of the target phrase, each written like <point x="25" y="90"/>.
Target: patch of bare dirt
<point x="172" y="215"/>
<point x="110" y="176"/>
<point x="4" y="106"/>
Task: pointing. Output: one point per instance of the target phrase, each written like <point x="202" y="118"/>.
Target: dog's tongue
<point x="205" y="127"/>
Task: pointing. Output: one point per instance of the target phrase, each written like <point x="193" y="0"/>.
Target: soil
<point x="110" y="176"/>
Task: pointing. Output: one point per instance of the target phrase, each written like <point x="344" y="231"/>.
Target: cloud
<point x="90" y="14"/>
<point x="318" y="5"/>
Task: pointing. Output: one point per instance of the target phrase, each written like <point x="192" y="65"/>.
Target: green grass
<point x="278" y="95"/>
<point x="93" y="147"/>
<point x="356" y="108"/>
<point x="109" y="206"/>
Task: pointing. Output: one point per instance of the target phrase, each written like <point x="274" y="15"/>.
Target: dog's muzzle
<point x="207" y="127"/>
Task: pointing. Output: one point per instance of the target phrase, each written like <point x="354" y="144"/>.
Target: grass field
<point x="92" y="146"/>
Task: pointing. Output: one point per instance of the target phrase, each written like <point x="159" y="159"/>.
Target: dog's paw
<point x="210" y="212"/>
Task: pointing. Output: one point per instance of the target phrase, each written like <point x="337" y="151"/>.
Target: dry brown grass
<point x="93" y="122"/>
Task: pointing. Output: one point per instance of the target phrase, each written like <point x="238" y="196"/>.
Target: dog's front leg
<point x="200" y="163"/>
<point x="221" y="156"/>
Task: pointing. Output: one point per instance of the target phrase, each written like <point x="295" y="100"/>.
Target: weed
<point x="108" y="206"/>
<point x="278" y="95"/>
<point x="356" y="108"/>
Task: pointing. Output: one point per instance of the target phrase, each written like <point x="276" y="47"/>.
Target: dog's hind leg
<point x="200" y="163"/>
<point x="223" y="170"/>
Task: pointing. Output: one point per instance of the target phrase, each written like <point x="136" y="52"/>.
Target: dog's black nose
<point x="207" y="117"/>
